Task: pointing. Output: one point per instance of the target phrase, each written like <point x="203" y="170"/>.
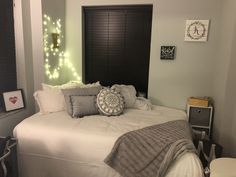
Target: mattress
<point x="55" y="145"/>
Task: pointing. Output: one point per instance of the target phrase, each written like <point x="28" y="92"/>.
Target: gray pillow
<point x="83" y="106"/>
<point x="110" y="102"/>
<point x="92" y="91"/>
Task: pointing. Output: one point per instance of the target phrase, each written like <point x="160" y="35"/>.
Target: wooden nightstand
<point x="201" y="118"/>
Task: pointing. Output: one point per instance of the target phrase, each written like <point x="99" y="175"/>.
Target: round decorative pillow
<point x="110" y="102"/>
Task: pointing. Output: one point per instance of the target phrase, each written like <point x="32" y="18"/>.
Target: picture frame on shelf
<point x="13" y="100"/>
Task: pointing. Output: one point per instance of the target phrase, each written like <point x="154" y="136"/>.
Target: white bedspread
<point x="55" y="145"/>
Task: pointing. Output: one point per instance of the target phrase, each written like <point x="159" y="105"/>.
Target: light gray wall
<point x="56" y="10"/>
<point x="191" y="73"/>
<point x="34" y="25"/>
<point x="225" y="83"/>
<point x="170" y="82"/>
<point x="24" y="65"/>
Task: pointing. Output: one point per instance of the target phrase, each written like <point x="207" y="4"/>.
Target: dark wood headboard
<point x="116" y="45"/>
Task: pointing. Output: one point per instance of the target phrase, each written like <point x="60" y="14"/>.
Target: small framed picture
<point x="196" y="30"/>
<point x="167" y="52"/>
<point x="13" y="100"/>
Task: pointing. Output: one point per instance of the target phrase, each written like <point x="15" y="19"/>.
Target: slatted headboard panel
<point x="117" y="45"/>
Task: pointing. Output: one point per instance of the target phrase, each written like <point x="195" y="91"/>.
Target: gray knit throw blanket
<point x="148" y="152"/>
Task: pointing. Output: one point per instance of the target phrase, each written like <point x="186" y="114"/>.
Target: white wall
<point x="225" y="83"/>
<point x="36" y="37"/>
<point x="191" y="73"/>
<point x="24" y="65"/>
<point x="56" y="10"/>
<point x="170" y="82"/>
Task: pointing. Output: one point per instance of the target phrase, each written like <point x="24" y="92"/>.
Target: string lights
<point x="52" y="49"/>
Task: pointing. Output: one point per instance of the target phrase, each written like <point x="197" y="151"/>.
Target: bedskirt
<point x="38" y="166"/>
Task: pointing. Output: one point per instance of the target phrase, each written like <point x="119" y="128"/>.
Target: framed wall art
<point x="167" y="52"/>
<point x="13" y="100"/>
<point x="196" y="30"/>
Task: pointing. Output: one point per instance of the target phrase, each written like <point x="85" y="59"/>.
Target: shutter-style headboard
<point x="117" y="45"/>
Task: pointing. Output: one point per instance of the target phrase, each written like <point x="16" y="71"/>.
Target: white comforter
<point x="55" y="145"/>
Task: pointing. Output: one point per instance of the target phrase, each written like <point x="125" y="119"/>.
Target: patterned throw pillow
<point x="110" y="102"/>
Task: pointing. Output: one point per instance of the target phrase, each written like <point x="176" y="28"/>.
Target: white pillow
<point x="50" y="101"/>
<point x="128" y="92"/>
<point x="70" y="84"/>
<point x="95" y="84"/>
<point x="59" y="87"/>
<point x="51" y="98"/>
<point x="143" y="104"/>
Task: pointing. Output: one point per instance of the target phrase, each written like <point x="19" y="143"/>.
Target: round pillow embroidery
<point x="110" y="102"/>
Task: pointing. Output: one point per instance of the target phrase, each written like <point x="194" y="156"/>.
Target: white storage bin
<point x="223" y="167"/>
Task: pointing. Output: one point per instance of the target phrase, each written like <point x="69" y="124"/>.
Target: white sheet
<point x="55" y="145"/>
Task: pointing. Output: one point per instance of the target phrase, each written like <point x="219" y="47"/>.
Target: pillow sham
<point x="49" y="101"/>
<point x="91" y="91"/>
<point x="128" y="92"/>
<point x="83" y="106"/>
<point x="110" y="102"/>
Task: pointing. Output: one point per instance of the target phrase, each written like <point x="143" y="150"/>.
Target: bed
<point x="55" y="145"/>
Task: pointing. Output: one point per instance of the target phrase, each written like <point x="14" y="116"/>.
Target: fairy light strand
<point x="52" y="72"/>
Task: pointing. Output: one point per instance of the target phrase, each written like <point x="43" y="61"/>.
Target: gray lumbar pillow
<point x="92" y="91"/>
<point x="110" y="102"/>
<point x="83" y="106"/>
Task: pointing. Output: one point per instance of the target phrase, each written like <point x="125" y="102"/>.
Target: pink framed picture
<point x="13" y="100"/>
